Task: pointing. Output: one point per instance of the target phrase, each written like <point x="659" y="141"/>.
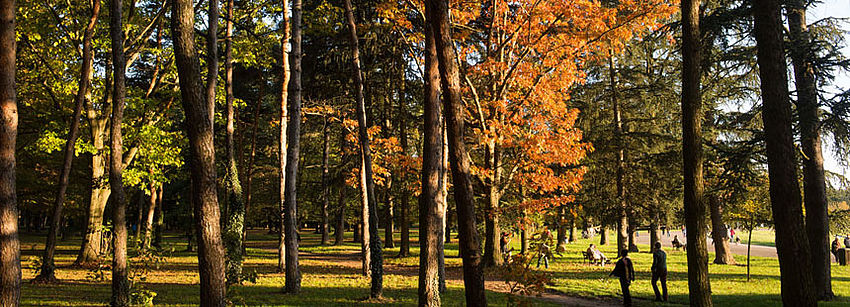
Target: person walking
<point x="835" y="247"/>
<point x="626" y="272"/>
<point x="847" y="241"/>
<point x="659" y="271"/>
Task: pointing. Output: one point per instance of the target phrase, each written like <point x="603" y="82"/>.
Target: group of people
<point x="836" y="246"/>
<point x="625" y="271"/>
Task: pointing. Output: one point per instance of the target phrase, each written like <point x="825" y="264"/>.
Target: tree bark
<point x="719" y="233"/>
<point x="376" y="250"/>
<point x="698" y="283"/>
<point x="148" y="229"/>
<point x="92" y="244"/>
<point x="792" y="244"/>
<point x="632" y="231"/>
<point x="83" y="93"/>
<point x="202" y="157"/>
<point x="325" y="177"/>
<point x="437" y="15"/>
<point x="492" y="252"/>
<point x="157" y="233"/>
<point x="284" y="118"/>
<point x="814" y="182"/>
<point x="120" y="284"/>
<point x="339" y="231"/>
<point x="10" y="246"/>
<point x="249" y="172"/>
<point x="293" y="151"/>
<point x="431" y="197"/>
<point x="603" y="235"/>
<point x="404" y="201"/>
<point x="622" y="218"/>
<point x="235" y="224"/>
<point x="212" y="58"/>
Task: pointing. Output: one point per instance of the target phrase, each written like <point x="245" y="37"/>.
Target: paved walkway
<point x="737" y="249"/>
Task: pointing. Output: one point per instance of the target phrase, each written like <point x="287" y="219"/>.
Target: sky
<point x="839" y="9"/>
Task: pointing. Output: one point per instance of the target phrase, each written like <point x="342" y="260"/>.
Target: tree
<point x="120" y="284"/>
<point x="437" y="16"/>
<point x="202" y="156"/>
<point x="754" y="211"/>
<point x="698" y="284"/>
<point x="10" y="246"/>
<point x="285" y="79"/>
<point x="233" y="228"/>
<point x="431" y="196"/>
<point x="48" y="267"/>
<point x="814" y="182"/>
<point x="293" y="136"/>
<point x="791" y="239"/>
<point x="368" y="185"/>
<point x="719" y="232"/>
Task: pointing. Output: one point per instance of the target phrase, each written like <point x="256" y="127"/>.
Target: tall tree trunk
<point x="698" y="284"/>
<point x="431" y="197"/>
<point x="83" y="93"/>
<point x="339" y="230"/>
<point x="492" y="252"/>
<point x="10" y="246"/>
<point x="376" y="255"/>
<point x="202" y="157"/>
<point x="444" y="206"/>
<point x="572" y="228"/>
<point x="719" y="233"/>
<point x="157" y="232"/>
<point x="293" y="151"/>
<point x="632" y="231"/>
<point x="389" y="225"/>
<point x="437" y="13"/>
<point x="148" y="229"/>
<point x="326" y="134"/>
<point x="622" y="218"/>
<point x="120" y="284"/>
<point x="235" y="224"/>
<point x="404" y="248"/>
<point x="249" y="171"/>
<point x="653" y="234"/>
<point x="814" y="183"/>
<point x="284" y="118"/>
<point x="212" y="58"/>
<point x="791" y="239"/>
<point x="603" y="235"/>
<point x="92" y="243"/>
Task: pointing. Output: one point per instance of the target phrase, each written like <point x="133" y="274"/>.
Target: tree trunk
<point x="698" y="283"/>
<point x="339" y="231"/>
<point x="561" y="229"/>
<point x="235" y="223"/>
<point x="10" y="246"/>
<point x="120" y="284"/>
<point x="365" y="248"/>
<point x="492" y="252"/>
<point x="749" y="244"/>
<point x="377" y="259"/>
<point x="148" y="229"/>
<point x="92" y="246"/>
<point x="814" y="182"/>
<point x="437" y="13"/>
<point x="719" y="233"/>
<point x="157" y="232"/>
<point x="791" y="240"/>
<point x="212" y="58"/>
<point x="325" y="177"/>
<point x="622" y="219"/>
<point x="632" y="231"/>
<point x="284" y="118"/>
<point x="249" y="172"/>
<point x="293" y="151"/>
<point x="573" y="229"/>
<point x="653" y="234"/>
<point x="444" y="207"/>
<point x="83" y="93"/>
<point x="389" y="225"/>
<point x="603" y="235"/>
<point x="202" y="157"/>
<point x="404" y="246"/>
<point x="431" y="198"/>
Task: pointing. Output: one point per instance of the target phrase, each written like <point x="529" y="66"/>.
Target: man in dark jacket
<point x="626" y="272"/>
<point x="659" y="271"/>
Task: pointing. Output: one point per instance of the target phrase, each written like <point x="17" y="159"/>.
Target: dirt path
<point x="737" y="249"/>
<point x="454" y="276"/>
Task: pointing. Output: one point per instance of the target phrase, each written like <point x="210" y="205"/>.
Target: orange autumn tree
<point x="519" y="60"/>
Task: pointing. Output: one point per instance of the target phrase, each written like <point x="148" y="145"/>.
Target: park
<point x="424" y="153"/>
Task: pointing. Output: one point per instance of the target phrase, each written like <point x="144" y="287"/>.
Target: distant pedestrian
<point x="626" y="272"/>
<point x="847" y="241"/>
<point x="545" y="251"/>
<point x="659" y="271"/>
<point x="835" y="247"/>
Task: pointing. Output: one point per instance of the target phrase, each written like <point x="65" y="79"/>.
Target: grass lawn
<point x="761" y="236"/>
<point x="331" y="277"/>
<point x="729" y="283"/>
<point x="326" y="281"/>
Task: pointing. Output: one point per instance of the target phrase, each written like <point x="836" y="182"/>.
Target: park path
<point x="737" y="249"/>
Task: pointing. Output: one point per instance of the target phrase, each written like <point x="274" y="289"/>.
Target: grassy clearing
<point x="729" y="283"/>
<point x="331" y="277"/>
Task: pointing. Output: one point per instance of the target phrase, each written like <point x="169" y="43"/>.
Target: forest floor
<point x="332" y="277"/>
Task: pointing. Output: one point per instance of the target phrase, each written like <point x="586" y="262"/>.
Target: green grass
<point x="325" y="281"/>
<point x="329" y="281"/>
<point x="729" y="283"/>
<point x="761" y="236"/>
